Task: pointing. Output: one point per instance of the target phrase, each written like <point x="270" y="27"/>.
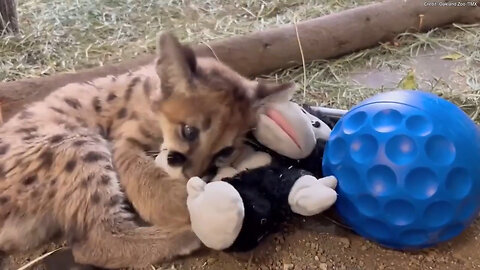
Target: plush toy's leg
<point x="310" y="196"/>
<point x="216" y="212"/>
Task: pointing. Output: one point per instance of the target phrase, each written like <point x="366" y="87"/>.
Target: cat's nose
<point x="176" y="159"/>
<point x="210" y="173"/>
<point x="316" y="124"/>
<point x="204" y="172"/>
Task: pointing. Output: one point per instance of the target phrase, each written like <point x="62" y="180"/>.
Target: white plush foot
<point x="224" y="173"/>
<point x="255" y="160"/>
<point x="310" y="196"/>
<point x="216" y="212"/>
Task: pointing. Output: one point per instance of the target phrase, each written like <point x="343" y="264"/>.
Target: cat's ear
<point x="267" y="92"/>
<point x="176" y="64"/>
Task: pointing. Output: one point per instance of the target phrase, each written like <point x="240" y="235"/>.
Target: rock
<point x="323" y="266"/>
<point x="316" y="258"/>
<point x="211" y="260"/>
<point x="287" y="266"/>
<point x="345" y="242"/>
<point x="364" y="247"/>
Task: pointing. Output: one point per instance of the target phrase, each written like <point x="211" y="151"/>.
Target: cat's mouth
<point x="207" y="176"/>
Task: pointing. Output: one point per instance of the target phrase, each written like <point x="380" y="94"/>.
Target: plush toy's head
<point x="320" y="128"/>
<point x="288" y="129"/>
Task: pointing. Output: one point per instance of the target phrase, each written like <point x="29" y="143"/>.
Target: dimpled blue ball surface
<point x="408" y="168"/>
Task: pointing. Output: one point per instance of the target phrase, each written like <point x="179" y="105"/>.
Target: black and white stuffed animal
<point x="278" y="176"/>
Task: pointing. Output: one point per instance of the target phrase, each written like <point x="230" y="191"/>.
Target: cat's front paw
<point x="225" y="172"/>
<point x="254" y="160"/>
<point x="216" y="212"/>
<point x="310" y="196"/>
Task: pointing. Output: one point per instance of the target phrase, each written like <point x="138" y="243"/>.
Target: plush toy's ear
<point x="284" y="128"/>
<point x="331" y="121"/>
<point x="320" y="129"/>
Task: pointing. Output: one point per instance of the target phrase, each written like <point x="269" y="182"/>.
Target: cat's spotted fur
<point x="67" y="162"/>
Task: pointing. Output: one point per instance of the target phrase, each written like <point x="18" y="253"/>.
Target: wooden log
<point x="1" y="115"/>
<point x="265" y="51"/>
<point x="8" y="16"/>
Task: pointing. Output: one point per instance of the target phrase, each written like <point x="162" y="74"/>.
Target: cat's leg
<point x="225" y="172"/>
<point x="253" y="160"/>
<point x="157" y="197"/>
<point x="92" y="212"/>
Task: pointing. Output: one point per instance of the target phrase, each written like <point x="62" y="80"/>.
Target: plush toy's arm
<point x="310" y="196"/>
<point x="216" y="209"/>
<point x="216" y="212"/>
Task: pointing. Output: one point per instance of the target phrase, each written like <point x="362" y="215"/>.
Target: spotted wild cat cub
<point x="68" y="162"/>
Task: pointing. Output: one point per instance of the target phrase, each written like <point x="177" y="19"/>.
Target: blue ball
<point x="407" y="164"/>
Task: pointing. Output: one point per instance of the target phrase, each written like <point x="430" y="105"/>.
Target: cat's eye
<point x="316" y="124"/>
<point x="190" y="133"/>
<point x="225" y="152"/>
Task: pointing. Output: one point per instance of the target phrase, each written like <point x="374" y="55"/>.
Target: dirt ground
<point x="317" y="243"/>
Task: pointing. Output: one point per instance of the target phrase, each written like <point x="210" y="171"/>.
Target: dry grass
<point x="64" y="35"/>
<point x="329" y="83"/>
<point x="60" y="35"/>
